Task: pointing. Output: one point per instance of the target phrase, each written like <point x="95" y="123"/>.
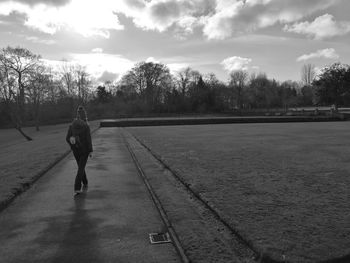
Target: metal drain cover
<point x="159" y="238"/>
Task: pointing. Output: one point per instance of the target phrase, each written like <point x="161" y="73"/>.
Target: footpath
<point x="109" y="223"/>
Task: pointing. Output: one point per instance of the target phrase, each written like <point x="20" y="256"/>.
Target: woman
<point x="79" y="139"/>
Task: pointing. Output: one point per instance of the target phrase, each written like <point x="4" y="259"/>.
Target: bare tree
<point x="17" y="66"/>
<point x="149" y="80"/>
<point x="83" y="82"/>
<point x="6" y="85"/>
<point x="211" y="79"/>
<point x="20" y="63"/>
<point x="237" y="82"/>
<point x="183" y="80"/>
<point x="68" y="78"/>
<point x="39" y="83"/>
<point x="110" y="87"/>
<point x="195" y="76"/>
<point x="308" y="74"/>
<point x="9" y="97"/>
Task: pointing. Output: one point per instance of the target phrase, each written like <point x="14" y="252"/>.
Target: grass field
<point x="285" y="187"/>
<point x="21" y="160"/>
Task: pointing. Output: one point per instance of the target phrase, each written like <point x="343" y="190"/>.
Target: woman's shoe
<point x="77" y="192"/>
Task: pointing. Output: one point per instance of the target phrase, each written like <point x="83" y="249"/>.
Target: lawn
<point x="284" y="187"/>
<point x="21" y="161"/>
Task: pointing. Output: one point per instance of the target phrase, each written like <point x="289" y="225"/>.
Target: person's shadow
<point x="80" y="241"/>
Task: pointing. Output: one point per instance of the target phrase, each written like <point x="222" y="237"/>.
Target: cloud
<point x="187" y="24"/>
<point x="328" y="53"/>
<point x="97" y="50"/>
<point x="13" y="19"/>
<point x="236" y="63"/>
<point x="219" y="19"/>
<point x="152" y="59"/>
<point x="174" y="64"/>
<point x="237" y="17"/>
<point x="177" y="67"/>
<point x="96" y="64"/>
<point x="160" y="15"/>
<point x="36" y="2"/>
<point x="322" y="27"/>
<point x="318" y="71"/>
<point x="108" y="76"/>
<point x="88" y="18"/>
<point x="37" y="40"/>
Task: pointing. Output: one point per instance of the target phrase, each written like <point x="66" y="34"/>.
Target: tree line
<point x="150" y="88"/>
<point x="32" y="93"/>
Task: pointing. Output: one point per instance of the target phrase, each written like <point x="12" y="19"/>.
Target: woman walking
<point x="79" y="139"/>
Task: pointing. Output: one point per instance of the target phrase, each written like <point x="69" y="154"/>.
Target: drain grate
<point x="159" y="238"/>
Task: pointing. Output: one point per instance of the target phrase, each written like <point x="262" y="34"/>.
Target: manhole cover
<point x="158" y="238"/>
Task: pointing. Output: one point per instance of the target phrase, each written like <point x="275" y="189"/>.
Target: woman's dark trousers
<point x="81" y="159"/>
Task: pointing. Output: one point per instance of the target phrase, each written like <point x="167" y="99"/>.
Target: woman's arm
<point x="69" y="134"/>
<point x="88" y="136"/>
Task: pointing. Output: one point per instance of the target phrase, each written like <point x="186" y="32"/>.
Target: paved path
<point x="110" y="223"/>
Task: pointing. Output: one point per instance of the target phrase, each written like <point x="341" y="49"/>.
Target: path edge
<point x="27" y="185"/>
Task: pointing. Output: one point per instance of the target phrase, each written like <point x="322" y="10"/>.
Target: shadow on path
<point x="79" y="243"/>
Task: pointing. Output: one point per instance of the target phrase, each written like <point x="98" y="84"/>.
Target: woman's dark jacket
<point x="81" y="131"/>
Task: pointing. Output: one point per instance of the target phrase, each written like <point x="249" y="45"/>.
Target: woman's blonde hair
<point x="81" y="114"/>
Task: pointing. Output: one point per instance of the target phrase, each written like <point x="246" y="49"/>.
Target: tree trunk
<point x="24" y="135"/>
<point x="37" y="119"/>
<point x="21" y="96"/>
<point x="16" y="120"/>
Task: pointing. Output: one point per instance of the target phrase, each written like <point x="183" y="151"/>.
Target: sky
<point x="276" y="37"/>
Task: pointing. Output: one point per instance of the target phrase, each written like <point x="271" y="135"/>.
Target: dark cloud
<point x="199" y="7"/>
<point x="250" y="16"/>
<point x="47" y="2"/>
<point x="108" y="76"/>
<point x="281" y="10"/>
<point x="135" y="3"/>
<point x="14" y="18"/>
<point x="173" y="8"/>
<point x="165" y="10"/>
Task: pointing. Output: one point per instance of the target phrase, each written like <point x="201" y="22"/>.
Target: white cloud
<point x="221" y="24"/>
<point x="88" y="18"/>
<point x="162" y="14"/>
<point x="185" y="26"/>
<point x="177" y="67"/>
<point x="236" y="63"/>
<point x="48" y="2"/>
<point x="328" y="53"/>
<point x="188" y="23"/>
<point x="171" y="64"/>
<point x="152" y="59"/>
<point x="322" y="27"/>
<point x="97" y="64"/>
<point x="220" y="19"/>
<point x="318" y="71"/>
<point x="40" y="41"/>
<point x="237" y="17"/>
<point x="97" y="50"/>
<point x="55" y="64"/>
